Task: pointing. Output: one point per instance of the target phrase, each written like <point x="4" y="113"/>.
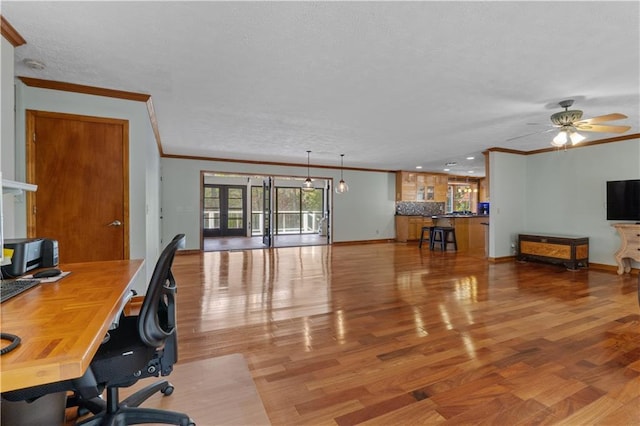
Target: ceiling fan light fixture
<point x="576" y="137"/>
<point x="561" y="138"/>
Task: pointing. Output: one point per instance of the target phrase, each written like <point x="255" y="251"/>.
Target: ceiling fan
<point x="570" y="121"/>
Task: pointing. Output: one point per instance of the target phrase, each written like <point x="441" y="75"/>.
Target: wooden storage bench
<point x="572" y="252"/>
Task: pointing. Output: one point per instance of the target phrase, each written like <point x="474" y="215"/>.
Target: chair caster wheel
<point x="168" y="390"/>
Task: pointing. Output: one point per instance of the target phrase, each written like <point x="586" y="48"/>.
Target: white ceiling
<point x="392" y="85"/>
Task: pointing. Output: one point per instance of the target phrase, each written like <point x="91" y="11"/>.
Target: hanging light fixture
<point x="342" y="186"/>
<point x="308" y="183"/>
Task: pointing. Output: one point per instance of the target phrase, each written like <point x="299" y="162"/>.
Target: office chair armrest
<point x="126" y="299"/>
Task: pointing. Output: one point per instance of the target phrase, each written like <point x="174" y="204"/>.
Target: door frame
<point x="262" y="176"/>
<point x="30" y="160"/>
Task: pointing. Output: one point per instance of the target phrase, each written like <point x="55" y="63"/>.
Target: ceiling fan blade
<point x="601" y="128"/>
<point x="602" y="118"/>
<point x="531" y="134"/>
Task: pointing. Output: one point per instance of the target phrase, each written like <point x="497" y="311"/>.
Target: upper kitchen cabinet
<point x="406" y="186"/>
<point x="412" y="186"/>
<point x="484" y="189"/>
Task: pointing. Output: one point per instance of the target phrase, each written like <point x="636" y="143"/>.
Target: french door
<point x="225" y="210"/>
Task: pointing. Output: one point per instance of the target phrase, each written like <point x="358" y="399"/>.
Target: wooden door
<point x="80" y="165"/>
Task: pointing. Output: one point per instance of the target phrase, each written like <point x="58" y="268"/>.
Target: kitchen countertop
<point x="449" y="216"/>
<point x="444" y="215"/>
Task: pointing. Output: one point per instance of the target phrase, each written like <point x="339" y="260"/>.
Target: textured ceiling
<point x="392" y="85"/>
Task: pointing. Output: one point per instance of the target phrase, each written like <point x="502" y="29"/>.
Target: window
<point x="462" y="197"/>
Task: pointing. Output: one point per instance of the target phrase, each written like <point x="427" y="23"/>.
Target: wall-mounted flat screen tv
<point x="623" y="200"/>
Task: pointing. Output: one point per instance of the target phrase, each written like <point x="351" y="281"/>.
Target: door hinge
<point x="34" y="136"/>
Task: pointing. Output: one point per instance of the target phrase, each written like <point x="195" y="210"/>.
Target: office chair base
<point x="145" y="393"/>
<point x="137" y="415"/>
<point x="128" y="411"/>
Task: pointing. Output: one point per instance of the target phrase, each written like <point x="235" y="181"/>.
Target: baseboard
<point x="610" y="268"/>
<point x="189" y="251"/>
<point x="353" y="243"/>
<point x="501" y="259"/>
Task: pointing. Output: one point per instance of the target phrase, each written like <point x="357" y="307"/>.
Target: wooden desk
<point x="62" y="324"/>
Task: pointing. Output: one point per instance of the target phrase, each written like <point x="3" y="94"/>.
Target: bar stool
<point x="444" y="235"/>
<point x="428" y="229"/>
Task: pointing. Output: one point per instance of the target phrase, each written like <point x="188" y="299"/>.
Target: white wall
<point x="507" y="192"/>
<point x="7" y="133"/>
<point x="144" y="163"/>
<point x="566" y="193"/>
<point x="364" y="213"/>
<point x="559" y="192"/>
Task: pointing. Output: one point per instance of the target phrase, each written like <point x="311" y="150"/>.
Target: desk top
<point x="62" y="324"/>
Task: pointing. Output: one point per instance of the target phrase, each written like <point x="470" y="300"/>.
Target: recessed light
<point x="446" y="170"/>
<point x="470" y="158"/>
<point x="471" y="171"/>
<point x="418" y="167"/>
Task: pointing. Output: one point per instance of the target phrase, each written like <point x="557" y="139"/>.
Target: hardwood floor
<point x="246" y="243"/>
<point x="389" y="334"/>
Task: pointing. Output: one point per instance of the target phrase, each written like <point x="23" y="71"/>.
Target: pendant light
<point x="308" y="183"/>
<point x="342" y="186"/>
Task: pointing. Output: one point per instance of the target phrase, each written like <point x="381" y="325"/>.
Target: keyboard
<point x="11" y="288"/>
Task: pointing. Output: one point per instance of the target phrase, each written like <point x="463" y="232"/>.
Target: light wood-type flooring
<point x="390" y="334"/>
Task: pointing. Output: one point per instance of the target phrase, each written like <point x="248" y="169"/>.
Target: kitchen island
<point x="470" y="229"/>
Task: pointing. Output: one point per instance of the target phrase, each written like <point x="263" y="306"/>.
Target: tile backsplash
<point x="409" y="208"/>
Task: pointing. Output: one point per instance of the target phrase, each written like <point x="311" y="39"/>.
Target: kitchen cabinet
<point x="409" y="228"/>
<point x="470" y="231"/>
<point x="413" y="186"/>
<point x="406" y="186"/>
<point x="483" y="195"/>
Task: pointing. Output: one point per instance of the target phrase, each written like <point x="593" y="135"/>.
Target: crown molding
<point x="100" y="91"/>
<point x="10" y="33"/>
<point x="87" y="90"/>
<point x="553" y="148"/>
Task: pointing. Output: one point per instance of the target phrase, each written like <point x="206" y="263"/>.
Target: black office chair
<point x="142" y="346"/>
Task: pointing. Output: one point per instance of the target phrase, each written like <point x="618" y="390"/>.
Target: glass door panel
<point x="224" y="211"/>
<point x="235" y="208"/>
<point x="266" y="213"/>
<point x="312" y="210"/>
<point x="297" y="211"/>
<point x="257" y="211"/>
<point x="211" y="213"/>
